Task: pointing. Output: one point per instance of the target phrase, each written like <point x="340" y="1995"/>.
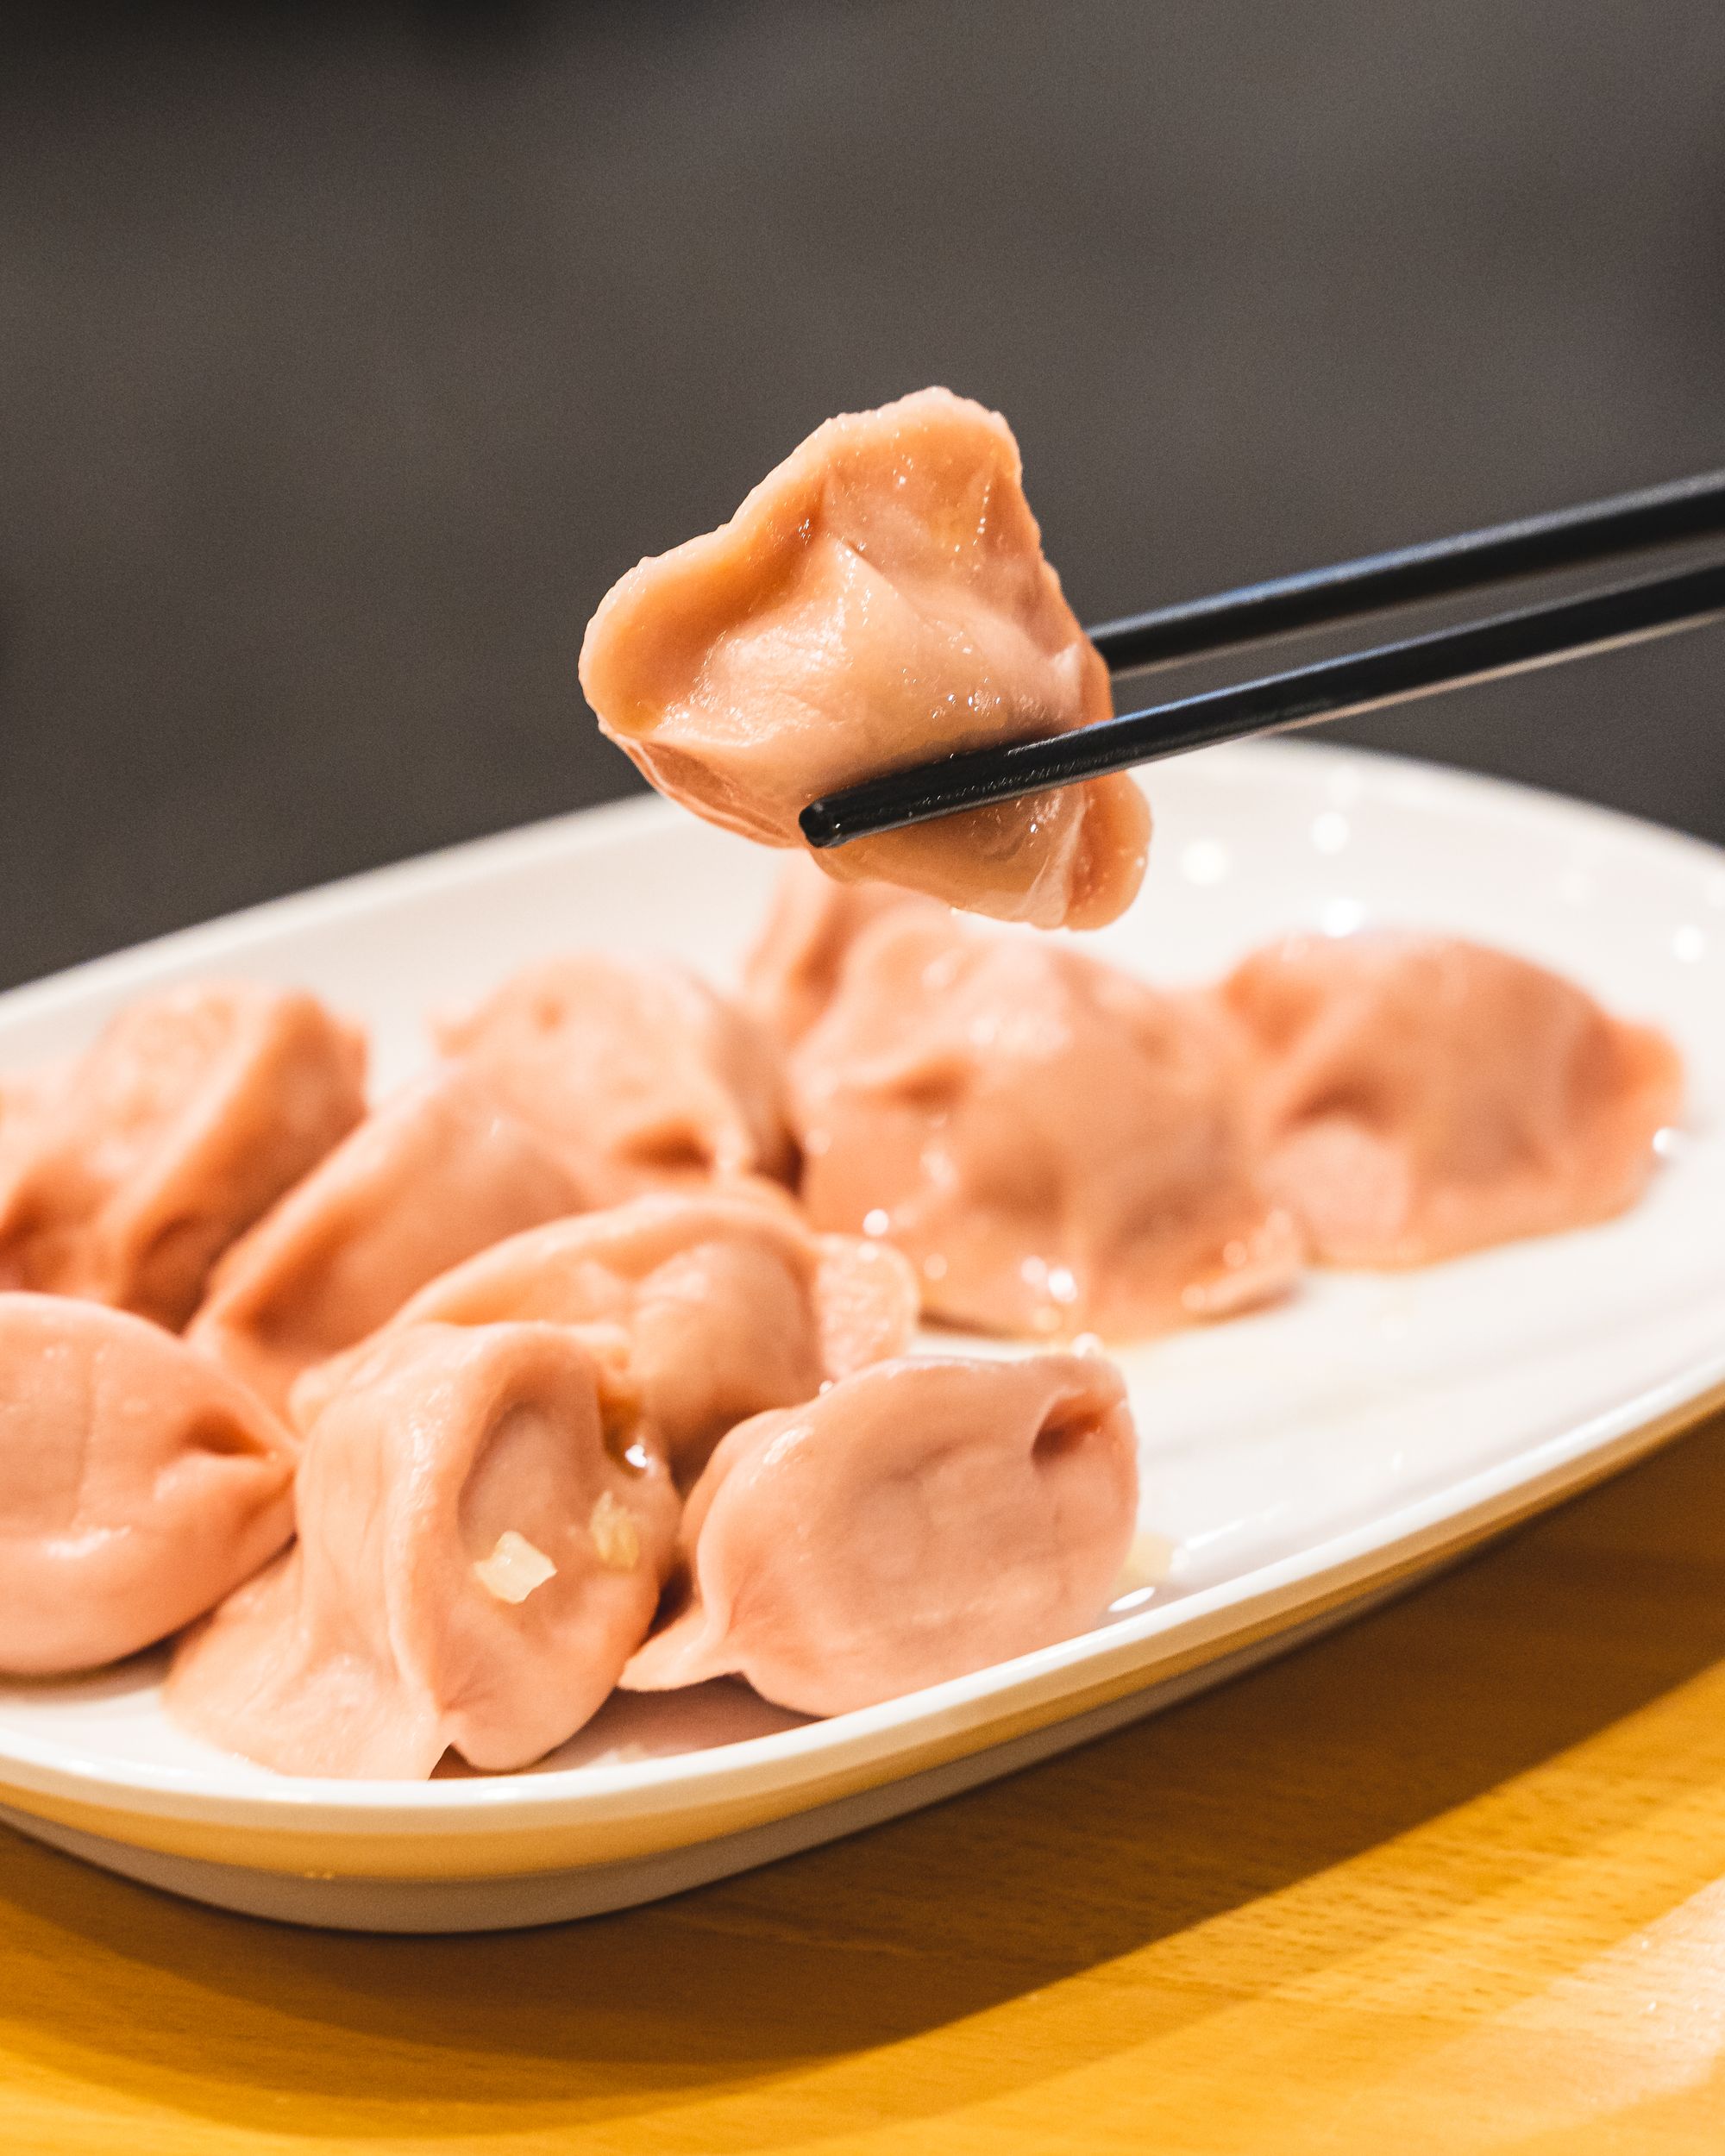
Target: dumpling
<point x="879" y="600"/>
<point x="185" y="1122"/>
<point x="439" y="1172"/>
<point x="792" y="971"/>
<point x="1057" y="1147"/>
<point x="919" y="1520"/>
<point x="1420" y="1096"/>
<point x="714" y="1309"/>
<point x="24" y="1098"/>
<point x="137" y="1484"/>
<point x="484" y="1531"/>
<point x="635" y="1059"/>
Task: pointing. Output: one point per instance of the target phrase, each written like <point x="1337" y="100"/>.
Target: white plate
<point x="1301" y="1461"/>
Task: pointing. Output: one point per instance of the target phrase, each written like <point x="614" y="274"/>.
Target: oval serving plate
<point x="1298" y="1463"/>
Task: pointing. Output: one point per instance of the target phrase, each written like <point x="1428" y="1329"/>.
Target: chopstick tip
<point x="820" y="826"/>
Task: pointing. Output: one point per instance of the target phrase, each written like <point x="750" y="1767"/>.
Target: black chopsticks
<point x="1532" y="546"/>
<point x="1387" y="675"/>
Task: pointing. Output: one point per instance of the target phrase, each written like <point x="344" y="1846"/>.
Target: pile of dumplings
<point x="586" y="1360"/>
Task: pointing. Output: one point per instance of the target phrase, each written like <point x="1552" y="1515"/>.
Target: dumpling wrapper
<point x="185" y="1121"/>
<point x="1057" y="1147"/>
<point x="483" y="1536"/>
<point x="919" y="1520"/>
<point x="437" y="1173"/>
<point x="792" y="970"/>
<point x="880" y="599"/>
<point x="24" y="1098"/>
<point x="1420" y="1096"/>
<point x="638" y="1059"/>
<point x="137" y="1484"/>
<point x="710" y="1308"/>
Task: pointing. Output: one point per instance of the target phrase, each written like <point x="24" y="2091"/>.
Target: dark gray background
<point x="346" y="356"/>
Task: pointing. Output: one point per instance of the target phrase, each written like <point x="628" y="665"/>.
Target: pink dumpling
<point x="25" y="1096"/>
<point x="712" y="1309"/>
<point x="635" y="1059"/>
<point x="483" y="1536"/>
<point x="137" y="1484"/>
<point x="920" y="1519"/>
<point x="1419" y="1096"/>
<point x="185" y="1121"/>
<point x="1057" y="1147"/>
<point x="793" y="969"/>
<point x="439" y="1172"/>
<point x="880" y="599"/>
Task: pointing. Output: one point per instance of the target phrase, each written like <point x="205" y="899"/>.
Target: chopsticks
<point x="1531" y="546"/>
<point x="1373" y="680"/>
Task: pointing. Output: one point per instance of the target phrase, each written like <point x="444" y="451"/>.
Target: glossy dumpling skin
<point x="137" y="1484"/>
<point x="1057" y="1147"/>
<point x="483" y="1536"/>
<point x="1421" y="1096"/>
<point x="439" y="1172"/>
<point x="921" y="1520"/>
<point x="710" y="1308"/>
<point x="879" y="599"/>
<point x="185" y="1121"/>
<point x="793" y="968"/>
<point x="638" y="1059"/>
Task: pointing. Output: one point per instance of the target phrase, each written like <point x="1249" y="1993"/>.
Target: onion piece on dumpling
<point x="485" y="1527"/>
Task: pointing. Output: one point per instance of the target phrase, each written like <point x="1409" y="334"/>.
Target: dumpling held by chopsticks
<point x="880" y="598"/>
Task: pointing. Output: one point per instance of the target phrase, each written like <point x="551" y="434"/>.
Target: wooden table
<point x="1452" y="1880"/>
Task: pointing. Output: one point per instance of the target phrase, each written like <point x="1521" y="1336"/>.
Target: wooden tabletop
<point x="1452" y="1880"/>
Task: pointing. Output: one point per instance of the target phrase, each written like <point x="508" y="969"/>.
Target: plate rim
<point x="582" y="829"/>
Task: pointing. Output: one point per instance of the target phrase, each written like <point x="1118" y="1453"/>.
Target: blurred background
<point x="347" y="354"/>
